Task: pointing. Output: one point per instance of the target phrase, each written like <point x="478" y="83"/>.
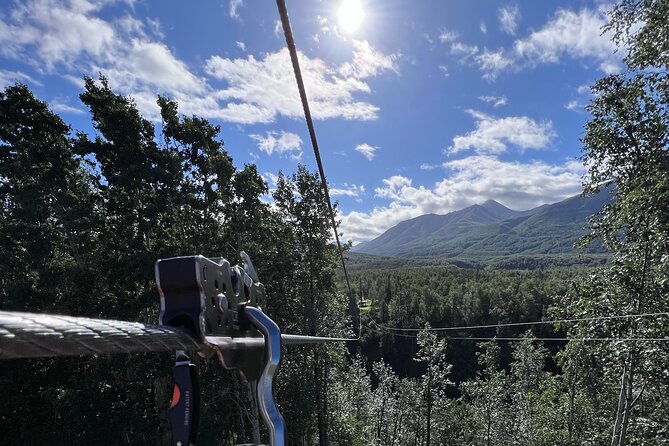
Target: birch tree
<point x="625" y="149"/>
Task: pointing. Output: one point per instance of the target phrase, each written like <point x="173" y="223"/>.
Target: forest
<point x="85" y="216"/>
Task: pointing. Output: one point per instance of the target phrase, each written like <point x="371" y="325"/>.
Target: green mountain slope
<point x="491" y="230"/>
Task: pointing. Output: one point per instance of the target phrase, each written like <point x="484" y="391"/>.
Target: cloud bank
<point x="471" y="180"/>
<point x="71" y="38"/>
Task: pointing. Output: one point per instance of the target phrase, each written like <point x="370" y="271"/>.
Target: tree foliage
<point x="84" y="218"/>
<point x="626" y="149"/>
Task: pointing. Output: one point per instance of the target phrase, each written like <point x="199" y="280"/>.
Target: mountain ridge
<point x="491" y="229"/>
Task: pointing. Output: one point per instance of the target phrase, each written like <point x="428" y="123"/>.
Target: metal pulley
<point x="219" y="304"/>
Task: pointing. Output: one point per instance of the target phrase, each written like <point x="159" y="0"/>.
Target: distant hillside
<point x="491" y="230"/>
<point x="358" y="261"/>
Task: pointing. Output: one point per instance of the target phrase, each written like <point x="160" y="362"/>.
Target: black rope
<point x="285" y="22"/>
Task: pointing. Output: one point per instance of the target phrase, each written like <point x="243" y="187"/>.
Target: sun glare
<point x="351" y="15"/>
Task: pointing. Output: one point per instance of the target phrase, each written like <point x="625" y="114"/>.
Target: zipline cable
<point x="30" y="335"/>
<point x="520" y="324"/>
<point x="33" y="335"/>
<point x="517" y="338"/>
<point x="290" y="42"/>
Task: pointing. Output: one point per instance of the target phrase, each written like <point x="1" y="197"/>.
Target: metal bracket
<point x="203" y="296"/>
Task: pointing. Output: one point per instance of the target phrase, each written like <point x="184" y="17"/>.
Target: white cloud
<point x="516" y="184"/>
<point x="57" y="32"/>
<point x="571" y="34"/>
<point x="483" y="27"/>
<point x="323" y="28"/>
<point x="130" y="25"/>
<point x="59" y="106"/>
<point x="323" y="23"/>
<point x="493" y="62"/>
<point x="492" y="135"/>
<point x="368" y="151"/>
<point x="260" y="90"/>
<point x="271" y="179"/>
<point x="10" y="77"/>
<point x="367" y="61"/>
<point x="426" y="166"/>
<point x="464" y="50"/>
<point x="496" y="101"/>
<point x="348" y="190"/>
<point x="283" y="143"/>
<point x="151" y="64"/>
<point x="155" y="27"/>
<point x="470" y="180"/>
<point x="428" y="38"/>
<point x="448" y="36"/>
<point x="75" y="80"/>
<point x="444" y="70"/>
<point x="583" y="97"/>
<point x="393" y="187"/>
<point x="278" y="28"/>
<point x="69" y="38"/>
<point x="241" y="46"/>
<point x="234" y="6"/>
<point x="574" y="106"/>
<point x="508" y="19"/>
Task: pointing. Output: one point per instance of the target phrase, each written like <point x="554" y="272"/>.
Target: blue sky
<point x="429" y="106"/>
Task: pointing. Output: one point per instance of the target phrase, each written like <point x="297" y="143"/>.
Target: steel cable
<point x="520" y="324"/>
<point x="31" y="335"/>
<point x="382" y="329"/>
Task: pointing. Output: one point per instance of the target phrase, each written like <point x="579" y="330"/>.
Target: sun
<point x="351" y="15"/>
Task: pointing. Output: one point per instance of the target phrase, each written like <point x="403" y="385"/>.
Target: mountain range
<point x="490" y="230"/>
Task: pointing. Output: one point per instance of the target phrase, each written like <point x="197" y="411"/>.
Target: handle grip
<point x="185" y="406"/>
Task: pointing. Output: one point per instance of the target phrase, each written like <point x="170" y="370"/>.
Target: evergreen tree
<point x="83" y="221"/>
<point x="47" y="226"/>
<point x="312" y="305"/>
<point x="48" y="217"/>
